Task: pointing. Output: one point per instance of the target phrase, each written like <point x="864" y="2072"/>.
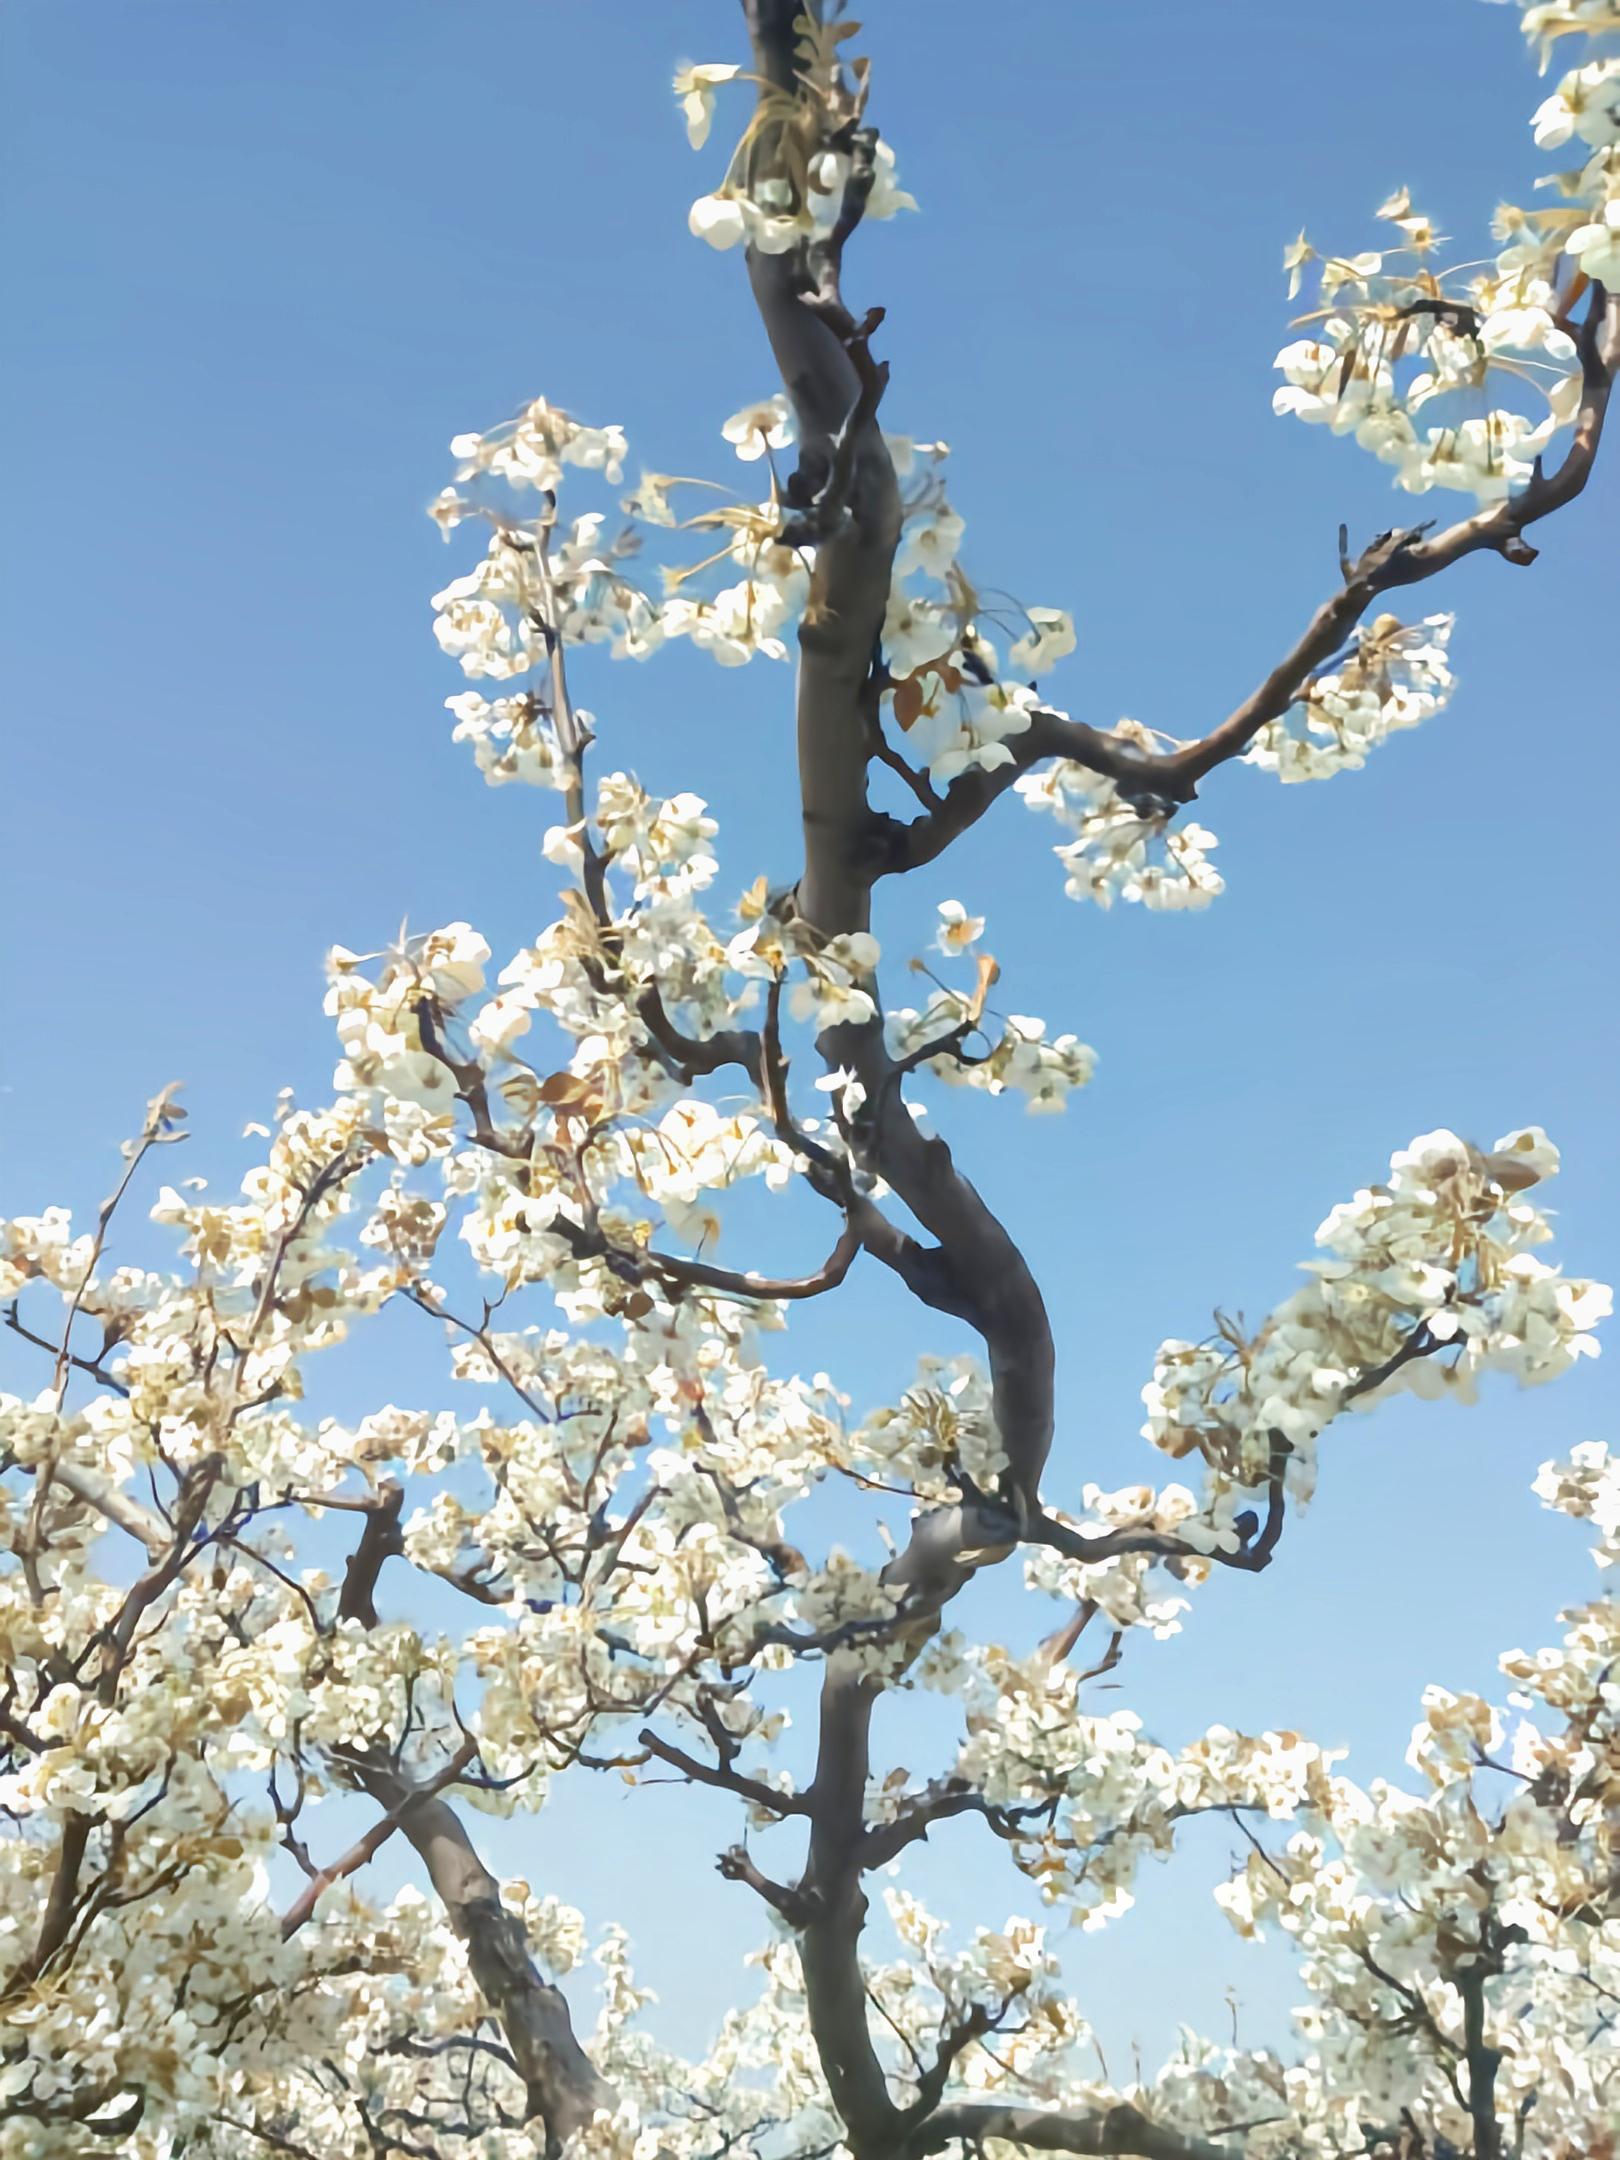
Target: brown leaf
<point x="564" y="1088"/>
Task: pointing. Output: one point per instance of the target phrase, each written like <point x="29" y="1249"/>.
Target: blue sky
<point x="264" y="261"/>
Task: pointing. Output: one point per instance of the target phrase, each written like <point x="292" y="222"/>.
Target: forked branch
<point x="1161" y="781"/>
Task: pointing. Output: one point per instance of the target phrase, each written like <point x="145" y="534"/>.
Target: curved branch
<point x="1163" y="780"/>
<point x="732" y="1282"/>
<point x="942" y="1801"/>
<point x="697" y="1055"/>
<point x="978" y="1265"/>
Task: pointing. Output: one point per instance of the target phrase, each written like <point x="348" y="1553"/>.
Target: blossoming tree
<point x="246" y="1648"/>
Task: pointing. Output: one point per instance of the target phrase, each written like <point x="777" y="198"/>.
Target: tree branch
<point x="698" y="1055"/>
<point x="366" y="1847"/>
<point x="1162" y="780"/>
<point x="379" y="1541"/>
<point x="834" y="389"/>
<point x="1121" y="2129"/>
<point x="943" y="1800"/>
<point x="736" y="1866"/>
<point x="722" y="1776"/>
<point x="978" y="1267"/>
<point x="946" y="1548"/>
<point x="833" y="385"/>
<point x="118" y="1507"/>
<point x="733" y="1282"/>
<point x="973" y="2025"/>
<point x="562" y="2085"/>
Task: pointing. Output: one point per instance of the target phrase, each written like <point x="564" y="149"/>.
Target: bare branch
<point x="697" y="1055"/>
<point x="1121" y="2129"/>
<point x="736" y="1866"/>
<point x="94" y="1366"/>
<point x="722" y="1776"/>
<point x="379" y="1541"/>
<point x="732" y="1282"/>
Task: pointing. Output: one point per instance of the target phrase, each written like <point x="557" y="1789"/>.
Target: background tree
<point x="610" y="1568"/>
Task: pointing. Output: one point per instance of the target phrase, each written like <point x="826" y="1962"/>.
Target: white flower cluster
<point x="785" y="184"/>
<point x="511" y="737"/>
<point x="1345" y="381"/>
<point x="1394" y="676"/>
<point x="1116" y="1796"/>
<point x="855" y="1607"/>
<point x="1019" y="1058"/>
<point x="1429" y="1280"/>
<point x="1475" y="1917"/>
<point x="747" y="618"/>
<point x="531" y="451"/>
<point x="773" y="215"/>
<point x="943" y="1427"/>
<point x="539" y="579"/>
<point x="223" y="1612"/>
<point x="1400" y="337"/>
<point x="834" y="978"/>
<point x="1587" y="1486"/>
<point x="963" y="725"/>
<point x="496" y="620"/>
<point x="379" y="1026"/>
<point x="998" y="1054"/>
<point x="950" y="698"/>
<point x="205" y="1369"/>
<point x="1585" y="110"/>
<point x="1122" y="852"/>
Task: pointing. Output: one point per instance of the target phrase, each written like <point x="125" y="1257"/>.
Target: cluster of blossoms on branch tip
<point x="1405" y="351"/>
<point x="1427" y="1281"/>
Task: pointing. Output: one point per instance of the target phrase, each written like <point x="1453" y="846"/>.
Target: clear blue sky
<point x="262" y="261"/>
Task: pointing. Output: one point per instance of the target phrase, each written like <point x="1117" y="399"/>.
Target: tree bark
<point x="563" y="2086"/>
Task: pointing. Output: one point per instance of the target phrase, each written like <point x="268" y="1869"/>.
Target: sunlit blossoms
<point x="254" y="1634"/>
<point x="1457" y="1939"/>
<point x="1428" y="1281"/>
<point x="1394" y="677"/>
<point x="786" y="183"/>
<point x="1410" y="350"/>
<point x="1121" y="850"/>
